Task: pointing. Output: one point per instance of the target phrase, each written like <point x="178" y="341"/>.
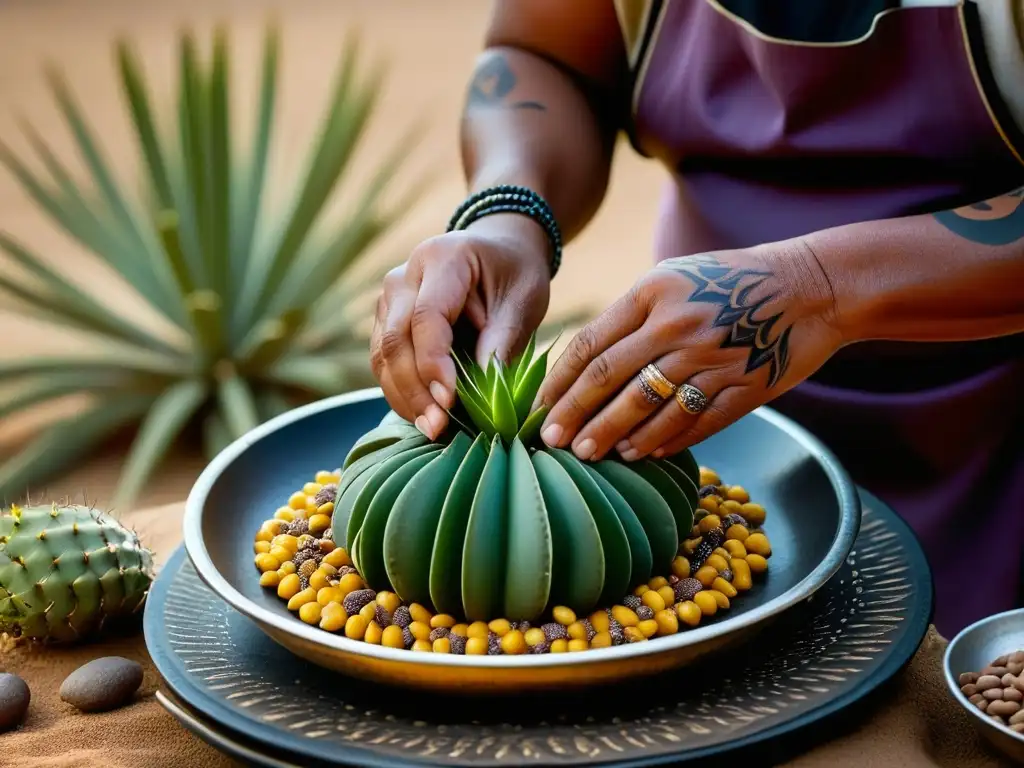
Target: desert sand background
<point x="429" y="47"/>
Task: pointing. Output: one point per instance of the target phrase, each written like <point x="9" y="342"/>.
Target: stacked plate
<point x="845" y="605"/>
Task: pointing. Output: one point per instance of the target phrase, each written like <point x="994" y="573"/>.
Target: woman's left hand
<point x="741" y="327"/>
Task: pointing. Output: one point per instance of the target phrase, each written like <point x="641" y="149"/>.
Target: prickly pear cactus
<point x="64" y="570"/>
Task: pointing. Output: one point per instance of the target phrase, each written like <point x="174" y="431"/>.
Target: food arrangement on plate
<point x="488" y="542"/>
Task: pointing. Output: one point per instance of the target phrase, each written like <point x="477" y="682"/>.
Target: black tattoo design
<point x="999" y="221"/>
<point x="729" y="288"/>
<point x="492" y="83"/>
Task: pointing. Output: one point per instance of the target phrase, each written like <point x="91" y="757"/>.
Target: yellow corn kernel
<point x="513" y="643"/>
<point x="737" y="533"/>
<point x="419" y="613"/>
<point x="289" y="586"/>
<point x="422" y="645"/>
<point x="285" y="514"/>
<point x="625" y="616"/>
<point x="735" y="548"/>
<point x="639" y="591"/>
<point x="534" y="636"/>
<point x="723" y="553"/>
<point x="689" y="613"/>
<point x="668" y="595"/>
<point x="581" y="645"/>
<point x="368" y="611"/>
<point x="563" y="615"/>
<point x="280" y="554"/>
<point x="270" y="579"/>
<point x="724" y="587"/>
<point x="310" y="613"/>
<point x="319" y="579"/>
<point x="648" y="627"/>
<point x="319" y="523"/>
<point x="706" y="602"/>
<point x="741" y="579"/>
<point x="730" y="507"/>
<point x="633" y="635"/>
<point x="709" y="504"/>
<point x="323" y="477"/>
<point x="717" y="562"/>
<point x="561" y="645"/>
<point x="720" y="599"/>
<point x="392" y="637"/>
<point x="442" y="645"/>
<point x="476" y="646"/>
<point x="737" y="493"/>
<point x="373" y="633"/>
<point x="287" y="541"/>
<point x="668" y="623"/>
<point x="477" y="629"/>
<point x="757" y="563"/>
<point x="297" y="500"/>
<point x="327" y="546"/>
<point x="355" y="627"/>
<point x="311" y="489"/>
<point x="350" y="582"/>
<point x="337" y="557"/>
<point x="333" y="617"/>
<point x="708" y="476"/>
<point x="326" y="595"/>
<point x="680" y="568"/>
<point x="709" y="523"/>
<point x="706" y="574"/>
<point x="287" y="568"/>
<point x="327" y="508"/>
<point x="577" y="631"/>
<point x="260" y="547"/>
<point x="389" y="600"/>
<point x="500" y="627"/>
<point x="442" y="620"/>
<point x="599" y="621"/>
<point x="267" y="562"/>
<point x="462" y="630"/>
<point x="757" y="544"/>
<point x="299" y="599"/>
<point x="753" y="514"/>
<point x="656" y="582"/>
<point x="420" y="630"/>
<point x="653" y="600"/>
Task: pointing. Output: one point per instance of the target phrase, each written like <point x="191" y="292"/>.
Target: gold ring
<point x="654" y="385"/>
<point x="691" y="399"/>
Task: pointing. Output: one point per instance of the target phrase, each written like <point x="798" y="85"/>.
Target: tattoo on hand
<point x="491" y="85"/>
<point x="999" y="221"/>
<point x="729" y="288"/>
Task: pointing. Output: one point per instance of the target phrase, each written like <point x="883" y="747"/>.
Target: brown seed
<point x="1017" y="657"/>
<point x="1018" y="683"/>
<point x="994" y="670"/>
<point x="993" y="694"/>
<point x="969" y="690"/>
<point x="968" y="677"/>
<point x="976" y="698"/>
<point x="982" y="705"/>
<point x="1015" y="668"/>
<point x="988" y="681"/>
<point x="1001" y="661"/>
<point x="998" y="719"/>
<point x="1018" y="719"/>
<point x="1004" y="708"/>
<point x="1006" y="680"/>
<point x="1012" y="694"/>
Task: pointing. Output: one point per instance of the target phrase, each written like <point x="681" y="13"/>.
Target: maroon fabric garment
<point x="770" y="139"/>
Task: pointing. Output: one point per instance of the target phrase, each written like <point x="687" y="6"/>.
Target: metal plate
<point x="818" y="658"/>
<point x="813" y="517"/>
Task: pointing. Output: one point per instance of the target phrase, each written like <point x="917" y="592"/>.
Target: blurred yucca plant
<point x="264" y="319"/>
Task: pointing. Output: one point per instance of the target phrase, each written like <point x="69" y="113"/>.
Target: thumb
<point x="441" y="299"/>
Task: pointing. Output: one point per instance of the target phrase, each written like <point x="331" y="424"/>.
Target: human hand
<point x="495" y="273"/>
<point x="741" y="326"/>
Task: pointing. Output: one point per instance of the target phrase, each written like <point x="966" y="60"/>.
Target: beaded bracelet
<point x="508" y="198"/>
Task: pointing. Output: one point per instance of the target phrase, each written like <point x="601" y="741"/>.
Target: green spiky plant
<point x="262" y="315"/>
<point x="67" y="570"/>
<point x="489" y="522"/>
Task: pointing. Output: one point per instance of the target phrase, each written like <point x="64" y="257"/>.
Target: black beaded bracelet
<point x="508" y="198"/>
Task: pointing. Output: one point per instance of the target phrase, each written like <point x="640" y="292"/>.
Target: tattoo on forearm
<point x="999" y="221"/>
<point x="730" y="289"/>
<point x="493" y="82"/>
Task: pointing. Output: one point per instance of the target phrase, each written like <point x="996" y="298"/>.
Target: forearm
<point x="528" y="122"/>
<point x="952" y="276"/>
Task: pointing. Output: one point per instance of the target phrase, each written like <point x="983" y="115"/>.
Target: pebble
<point x="14" y="699"/>
<point x="102" y="684"/>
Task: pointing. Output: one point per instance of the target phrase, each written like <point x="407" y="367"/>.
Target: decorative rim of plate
<point x="842" y="543"/>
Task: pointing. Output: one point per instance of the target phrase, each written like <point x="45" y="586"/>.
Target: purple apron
<point x="769" y="139"/>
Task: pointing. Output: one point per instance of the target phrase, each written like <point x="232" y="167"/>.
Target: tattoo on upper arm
<point x="998" y="221"/>
<point x="730" y="290"/>
<point x="493" y="81"/>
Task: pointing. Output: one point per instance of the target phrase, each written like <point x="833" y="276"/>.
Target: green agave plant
<point x="489" y="522"/>
<point x="262" y="315"/>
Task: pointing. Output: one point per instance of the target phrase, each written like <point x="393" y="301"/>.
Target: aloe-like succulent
<point x="260" y="302"/>
<point x="489" y="522"/>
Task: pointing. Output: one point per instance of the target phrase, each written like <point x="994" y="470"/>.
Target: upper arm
<point x="581" y="36"/>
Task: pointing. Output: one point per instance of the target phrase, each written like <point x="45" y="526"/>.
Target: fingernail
<point x="439" y="392"/>
<point x="622" y="446"/>
<point x="630" y="454"/>
<point x="436" y="418"/>
<point x="658" y="453"/>
<point x="552" y="434"/>
<point x="585" y="449"/>
<point x="423" y="425"/>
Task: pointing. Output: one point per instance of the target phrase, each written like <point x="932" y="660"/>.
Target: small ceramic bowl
<point x="973" y="649"/>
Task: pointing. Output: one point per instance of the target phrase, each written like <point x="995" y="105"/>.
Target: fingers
<point x="394" y="353"/>
<point x="607" y="429"/>
<point x="503" y="334"/>
<point x="593" y="367"/>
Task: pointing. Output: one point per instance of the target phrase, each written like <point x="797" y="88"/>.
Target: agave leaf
<point x="163" y="423"/>
<point x="248" y="201"/>
<point x="219" y="170"/>
<point x="477" y="411"/>
<point x="503" y="408"/>
<point x="142" y="118"/>
<point x="56" y="385"/>
<point x="108" y="362"/>
<point x="522" y="362"/>
<point x="66" y="441"/>
<point x="271" y="403"/>
<point x="317" y="374"/>
<point x="237" y="405"/>
<point x="529" y="385"/>
<point x="192" y="121"/>
<point x="531" y="427"/>
<point x="216" y="436"/>
<point x="471" y="375"/>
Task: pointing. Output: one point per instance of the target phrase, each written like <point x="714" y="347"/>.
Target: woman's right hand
<point x="495" y="273"/>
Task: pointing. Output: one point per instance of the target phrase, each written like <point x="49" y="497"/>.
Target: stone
<point x="14" y="699"/>
<point x="102" y="684"/>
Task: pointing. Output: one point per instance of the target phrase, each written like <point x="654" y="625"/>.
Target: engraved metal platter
<point x="811" y="666"/>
